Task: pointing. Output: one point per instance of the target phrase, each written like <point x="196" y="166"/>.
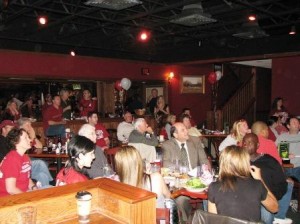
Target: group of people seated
<point x="250" y="168"/>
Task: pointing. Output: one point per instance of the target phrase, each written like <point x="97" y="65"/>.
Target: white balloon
<point x="125" y="83"/>
<point x="219" y="75"/>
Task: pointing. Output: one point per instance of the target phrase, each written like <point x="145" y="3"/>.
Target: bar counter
<point x="112" y="201"/>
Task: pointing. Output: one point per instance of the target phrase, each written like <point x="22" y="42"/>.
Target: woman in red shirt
<point x="81" y="154"/>
<point x="15" y="168"/>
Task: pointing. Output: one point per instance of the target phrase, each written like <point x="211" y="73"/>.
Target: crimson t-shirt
<point x="16" y="166"/>
<point x="101" y="134"/>
<point x="70" y="176"/>
<point x="52" y="114"/>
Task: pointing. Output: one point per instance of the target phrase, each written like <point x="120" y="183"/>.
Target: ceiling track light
<point x="292" y="31"/>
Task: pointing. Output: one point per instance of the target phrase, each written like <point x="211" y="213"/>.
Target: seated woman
<point x="236" y="193"/>
<point x="239" y="130"/>
<point x="129" y="167"/>
<point x="81" y="154"/>
<point x="15" y="168"/>
<point x="11" y="112"/>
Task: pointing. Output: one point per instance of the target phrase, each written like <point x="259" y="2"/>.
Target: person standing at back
<point x="87" y="103"/>
<point x="65" y="104"/>
<point x="152" y="99"/>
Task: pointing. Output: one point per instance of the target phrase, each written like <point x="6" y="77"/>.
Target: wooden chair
<point x="113" y="137"/>
<point x="110" y="156"/>
<point x="162" y="214"/>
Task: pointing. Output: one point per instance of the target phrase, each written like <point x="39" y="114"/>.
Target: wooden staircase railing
<point x="240" y="105"/>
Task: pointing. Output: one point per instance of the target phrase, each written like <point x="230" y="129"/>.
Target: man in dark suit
<point x="189" y="151"/>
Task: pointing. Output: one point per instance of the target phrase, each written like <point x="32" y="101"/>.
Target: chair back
<point x="110" y="156"/>
<point x="147" y="152"/>
<point x="162" y="214"/>
<point x="202" y="217"/>
<point x="113" y="139"/>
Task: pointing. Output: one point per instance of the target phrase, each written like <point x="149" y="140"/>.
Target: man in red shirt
<point x="53" y="122"/>
<point x="102" y="139"/>
<point x="266" y="145"/>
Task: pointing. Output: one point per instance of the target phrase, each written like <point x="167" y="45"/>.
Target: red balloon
<point x="118" y="85"/>
<point x="212" y="78"/>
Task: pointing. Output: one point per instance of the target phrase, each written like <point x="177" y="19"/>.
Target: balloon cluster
<point x="213" y="77"/>
<point x="122" y="84"/>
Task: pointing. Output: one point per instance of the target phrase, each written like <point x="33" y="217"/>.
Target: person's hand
<point x="63" y="122"/>
<point x="255" y="172"/>
<point x="68" y="107"/>
<point x="149" y="130"/>
<point x="94" y="98"/>
<point x="291" y="156"/>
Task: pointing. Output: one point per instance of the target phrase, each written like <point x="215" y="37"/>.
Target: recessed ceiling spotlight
<point x="252" y="17"/>
<point x="144" y="36"/>
<point x="293" y="31"/>
<point x="42" y="20"/>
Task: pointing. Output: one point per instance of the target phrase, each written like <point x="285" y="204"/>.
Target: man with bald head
<point x="266" y="145"/>
<point x="172" y="149"/>
<point x="274" y="178"/>
<point x="189" y="150"/>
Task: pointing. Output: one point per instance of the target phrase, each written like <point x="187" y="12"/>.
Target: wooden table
<point x="57" y="157"/>
<point x="215" y="139"/>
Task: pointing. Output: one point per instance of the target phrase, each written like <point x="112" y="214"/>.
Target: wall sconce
<point x="170" y="76"/>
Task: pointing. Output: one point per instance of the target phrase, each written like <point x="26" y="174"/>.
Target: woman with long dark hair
<point x="81" y="154"/>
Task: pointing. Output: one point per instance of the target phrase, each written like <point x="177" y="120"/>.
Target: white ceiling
<point x="266" y="63"/>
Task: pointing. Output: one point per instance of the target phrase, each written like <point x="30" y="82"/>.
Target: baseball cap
<point x="7" y="123"/>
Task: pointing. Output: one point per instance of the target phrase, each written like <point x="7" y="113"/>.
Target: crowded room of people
<point x="143" y="112"/>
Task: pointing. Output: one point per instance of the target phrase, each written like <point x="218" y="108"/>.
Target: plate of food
<point x="195" y="185"/>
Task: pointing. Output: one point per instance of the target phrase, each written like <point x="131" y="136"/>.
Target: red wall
<point x="286" y="82"/>
<point x="37" y="65"/>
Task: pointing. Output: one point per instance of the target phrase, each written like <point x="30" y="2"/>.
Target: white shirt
<point x="123" y="131"/>
<point x="229" y="140"/>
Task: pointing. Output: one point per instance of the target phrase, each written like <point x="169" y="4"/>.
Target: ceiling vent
<point x="250" y="31"/>
<point x="193" y="15"/>
<point x="113" y="4"/>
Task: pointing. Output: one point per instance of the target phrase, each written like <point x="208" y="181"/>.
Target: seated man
<point x="53" y="122"/>
<point x="142" y="133"/>
<point x="40" y="171"/>
<point x="266" y="145"/>
<point x="102" y="135"/>
<point x="293" y="138"/>
<point x="273" y="177"/>
<point x="192" y="131"/>
<point x="125" y="127"/>
<point x="190" y="151"/>
<point x="96" y="169"/>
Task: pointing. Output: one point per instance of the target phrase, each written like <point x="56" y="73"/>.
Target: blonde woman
<point x="12" y="111"/>
<point x="236" y="193"/>
<point x="129" y="167"/>
<point x="161" y="109"/>
<point x="239" y="130"/>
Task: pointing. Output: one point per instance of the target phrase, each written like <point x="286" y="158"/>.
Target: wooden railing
<point x="241" y="104"/>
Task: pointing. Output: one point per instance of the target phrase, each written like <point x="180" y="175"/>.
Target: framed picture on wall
<point x="160" y="90"/>
<point x="192" y="84"/>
